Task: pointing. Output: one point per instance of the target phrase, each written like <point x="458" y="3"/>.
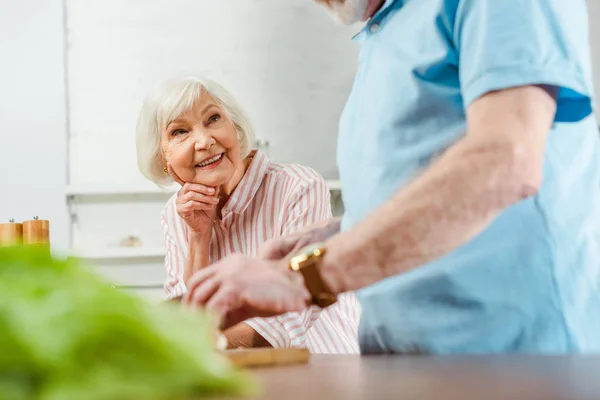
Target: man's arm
<point x="285" y="246"/>
<point x="498" y="163"/>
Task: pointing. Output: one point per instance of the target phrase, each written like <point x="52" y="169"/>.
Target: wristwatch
<point x="307" y="262"/>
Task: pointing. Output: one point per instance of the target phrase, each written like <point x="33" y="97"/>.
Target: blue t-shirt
<point x="530" y="281"/>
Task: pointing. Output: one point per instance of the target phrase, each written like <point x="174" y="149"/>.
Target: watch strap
<point x="322" y="296"/>
<point x="308" y="266"/>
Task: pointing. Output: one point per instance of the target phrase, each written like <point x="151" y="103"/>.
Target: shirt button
<point x="225" y="210"/>
<point x="374" y="28"/>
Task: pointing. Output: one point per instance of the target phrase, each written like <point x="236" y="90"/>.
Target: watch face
<point x="313" y="249"/>
<point x="306" y="254"/>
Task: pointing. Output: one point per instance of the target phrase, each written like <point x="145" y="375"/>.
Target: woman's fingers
<point x="195" y="196"/>
<point x="189" y="207"/>
<point x="197" y="187"/>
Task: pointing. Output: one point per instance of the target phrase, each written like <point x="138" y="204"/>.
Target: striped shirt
<point x="271" y="200"/>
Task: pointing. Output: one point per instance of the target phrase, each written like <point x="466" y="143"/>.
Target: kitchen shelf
<point x="334" y="185"/>
<point x="119" y="253"/>
<point x="100" y="190"/>
<point x="136" y="190"/>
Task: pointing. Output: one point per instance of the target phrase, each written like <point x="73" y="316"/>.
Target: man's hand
<point x="286" y="246"/>
<point x="239" y="287"/>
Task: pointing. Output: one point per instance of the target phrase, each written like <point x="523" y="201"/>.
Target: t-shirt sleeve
<point x="510" y="43"/>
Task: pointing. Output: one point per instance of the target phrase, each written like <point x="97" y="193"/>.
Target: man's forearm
<point x="441" y="210"/>
<point x="329" y="227"/>
<point x="197" y="254"/>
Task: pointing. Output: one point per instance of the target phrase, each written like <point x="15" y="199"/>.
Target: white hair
<point x="164" y="104"/>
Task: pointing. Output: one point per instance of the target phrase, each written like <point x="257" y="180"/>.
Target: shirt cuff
<point x="179" y="290"/>
<point x="573" y="102"/>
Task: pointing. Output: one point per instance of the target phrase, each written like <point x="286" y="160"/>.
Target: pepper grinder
<point x="11" y="233"/>
<point x="36" y="232"/>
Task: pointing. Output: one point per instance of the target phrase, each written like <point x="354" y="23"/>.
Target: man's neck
<point x="372" y="8"/>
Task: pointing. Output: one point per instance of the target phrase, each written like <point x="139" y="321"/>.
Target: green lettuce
<point x="65" y="334"/>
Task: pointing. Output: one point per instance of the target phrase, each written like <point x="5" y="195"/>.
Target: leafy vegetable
<point x="66" y="334"/>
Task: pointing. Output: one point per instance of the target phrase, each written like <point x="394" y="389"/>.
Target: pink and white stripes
<point x="271" y="200"/>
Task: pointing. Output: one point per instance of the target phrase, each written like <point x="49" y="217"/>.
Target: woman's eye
<point x="215" y="118"/>
<point x="177" y="132"/>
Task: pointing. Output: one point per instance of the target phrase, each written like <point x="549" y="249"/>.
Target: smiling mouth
<point x="210" y="161"/>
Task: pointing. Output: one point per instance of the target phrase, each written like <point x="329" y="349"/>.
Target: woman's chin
<point x="212" y="181"/>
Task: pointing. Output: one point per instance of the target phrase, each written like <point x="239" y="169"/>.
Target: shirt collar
<point x="244" y="193"/>
<point x="377" y="17"/>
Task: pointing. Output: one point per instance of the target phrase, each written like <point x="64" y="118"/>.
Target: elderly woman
<point x="232" y="200"/>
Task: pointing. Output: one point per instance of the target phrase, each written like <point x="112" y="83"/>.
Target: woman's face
<point x="202" y="144"/>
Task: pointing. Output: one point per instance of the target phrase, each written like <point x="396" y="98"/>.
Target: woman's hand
<point x="196" y="204"/>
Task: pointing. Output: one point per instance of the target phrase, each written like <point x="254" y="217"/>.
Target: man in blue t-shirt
<point x="469" y="159"/>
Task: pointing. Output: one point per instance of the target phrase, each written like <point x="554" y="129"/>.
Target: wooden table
<point x="433" y="378"/>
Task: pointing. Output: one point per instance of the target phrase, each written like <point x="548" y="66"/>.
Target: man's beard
<point x="348" y="12"/>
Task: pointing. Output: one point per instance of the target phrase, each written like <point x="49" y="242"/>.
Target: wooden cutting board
<point x="263" y="357"/>
<point x="248" y="358"/>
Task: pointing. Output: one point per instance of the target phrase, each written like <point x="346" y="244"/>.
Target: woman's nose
<point x="203" y="141"/>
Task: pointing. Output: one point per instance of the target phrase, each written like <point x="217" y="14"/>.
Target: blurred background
<point x="72" y="77"/>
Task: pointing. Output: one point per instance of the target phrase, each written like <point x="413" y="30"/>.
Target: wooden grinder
<point x="11" y="233"/>
<point x="36" y="232"/>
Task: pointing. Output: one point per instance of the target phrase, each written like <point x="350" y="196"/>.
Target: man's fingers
<point x="174" y="175"/>
<point x="286" y="246"/>
<point x="196" y="280"/>
<point x="299" y="245"/>
<point x="268" y="251"/>
<point x="221" y="301"/>
<point x="204" y="292"/>
<point x="223" y="304"/>
<point x="300" y="301"/>
<point x="276" y="249"/>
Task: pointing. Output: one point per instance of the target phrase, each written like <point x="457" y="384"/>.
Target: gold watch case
<point x="307" y="261"/>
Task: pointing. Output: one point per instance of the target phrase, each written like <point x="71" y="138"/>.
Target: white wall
<point x="286" y="61"/>
<point x="32" y="114"/>
<point x="288" y="64"/>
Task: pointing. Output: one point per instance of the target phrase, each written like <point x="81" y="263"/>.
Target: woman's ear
<point x="161" y="161"/>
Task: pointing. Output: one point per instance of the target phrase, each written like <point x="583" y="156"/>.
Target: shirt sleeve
<point x="174" y="233"/>
<point x="309" y="203"/>
<point x="511" y="43"/>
